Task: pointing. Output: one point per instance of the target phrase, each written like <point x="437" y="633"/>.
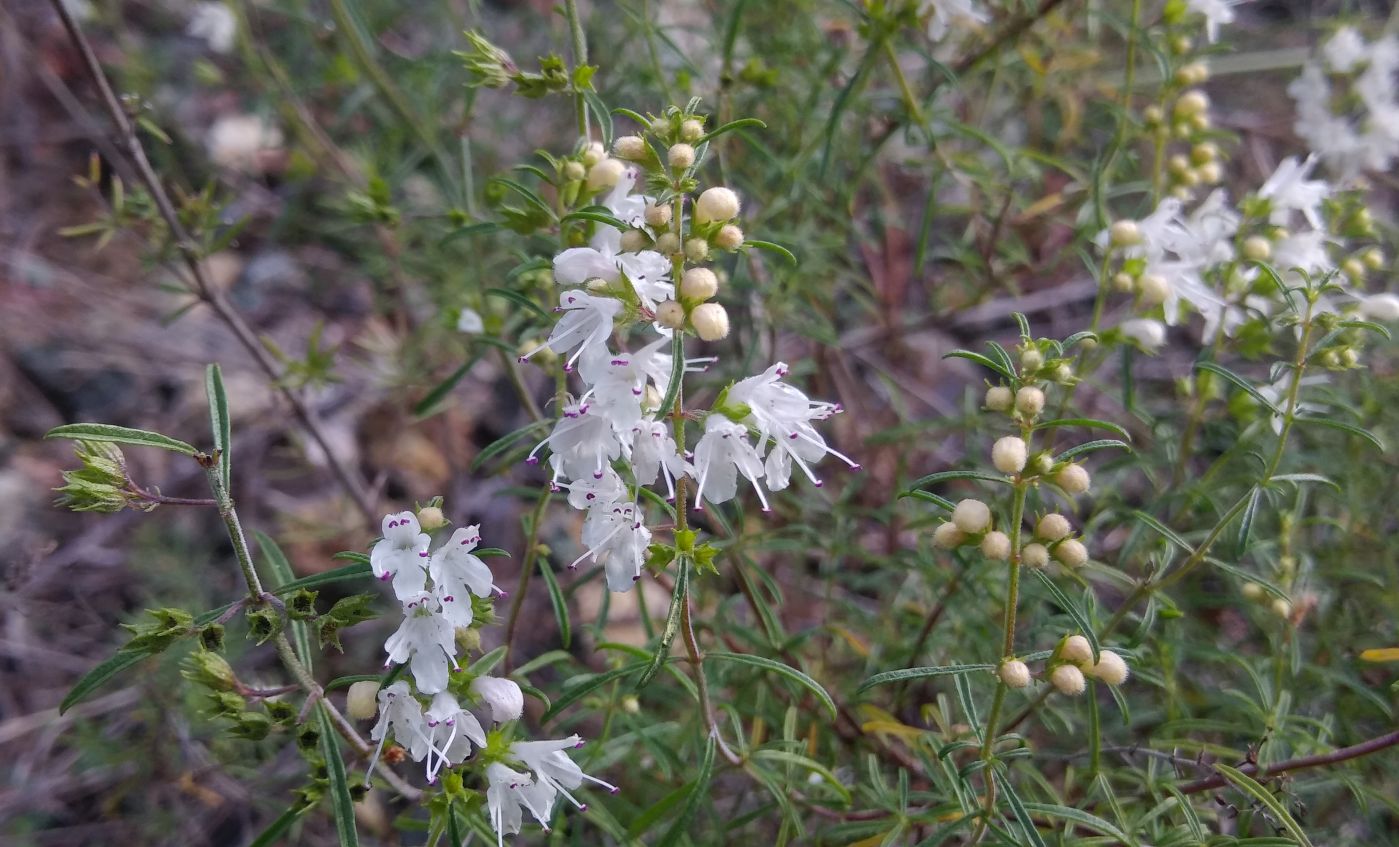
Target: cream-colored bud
<point x="1282" y="608"/>
<point x="630" y="147"/>
<point x="996" y="545"/>
<point x="1181" y="44"/>
<point x="651" y="398"/>
<point x="680" y="156"/>
<point x="1071" y="552"/>
<point x="1210" y="173"/>
<point x="1153" y="289"/>
<point x="1125" y="233"/>
<point x="1034" y="555"/>
<point x="1029" y="401"/>
<point x="1256" y="248"/>
<point x="1111" y="668"/>
<point x="699" y="284"/>
<point x="1008" y="454"/>
<point x="1076" y="649"/>
<point x="1031" y="359"/>
<point x="431" y="518"/>
<point x="1153" y="115"/>
<point x="670" y="314"/>
<point x="1192" y="103"/>
<point x="947" y="536"/>
<point x="1123" y="282"/>
<point x="691" y="130"/>
<point x="1068" y="680"/>
<point x="631" y="705"/>
<point x="972" y="516"/>
<point x="1178" y="164"/>
<point x="667" y="244"/>
<point x="1253" y="591"/>
<point x="1204" y="152"/>
<point x="1053" y="527"/>
<point x="711" y="321"/>
<point x="502" y="697"/>
<point x="1195" y="73"/>
<point x="593" y="154"/>
<point x="716" y="204"/>
<point x="634" y="240"/>
<point x="1349" y="358"/>
<point x="605" y="174"/>
<point x="696" y="249"/>
<point x="362" y="700"/>
<point x="1199" y="122"/>
<point x="999" y="398"/>
<point x="658" y="215"/>
<point x="1353" y="268"/>
<point x="1073" y="479"/>
<point x="729" y="237"/>
<point x="1041" y="463"/>
<point x="1014" y="673"/>
<point x="1373" y="258"/>
<point x="574" y="171"/>
<point x="1062" y="373"/>
<point x="1182" y="193"/>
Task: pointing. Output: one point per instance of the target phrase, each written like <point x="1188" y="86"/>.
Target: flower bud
<point x="630" y="147"/>
<point x="1073" y="479"/>
<point x="729" y="237"/>
<point x="711" y="321"/>
<point x="1153" y="289"/>
<point x="1123" y="282"/>
<point x="1353" y="268"/>
<point x="996" y="545"/>
<point x="947" y="536"/>
<point x="1029" y="401"/>
<point x="999" y="398"/>
<point x="594" y="153"/>
<point x="972" y="516"/>
<point x="1349" y="358"/>
<point x="716" y="204"/>
<point x="1053" y="527"/>
<point x="1181" y="44"/>
<point x="670" y="314"/>
<point x="1031" y="359"/>
<point x="691" y="130"/>
<point x="1153" y="115"/>
<point x="680" y="156"/>
<point x="1195" y="73"/>
<point x="1071" y="552"/>
<point x="658" y="215"/>
<point x="699" y="284"/>
<point x="431" y="518"/>
<point x="1192" y="103"/>
<point x="1041" y="463"/>
<point x="1373" y="258"/>
<point x="469" y="638"/>
<point x="362" y="700"/>
<point x="1008" y="454"/>
<point x="1014" y="673"/>
<point x="1062" y="373"/>
<point x="1256" y="248"/>
<point x="605" y="174"/>
<point x="501" y="697"/>
<point x="634" y="240"/>
<point x="696" y="249"/>
<point x="1282" y="608"/>
<point x="1034" y="555"/>
<point x="651" y="398"/>
<point x="1125" y="233"/>
<point x="1210" y="173"/>
<point x="1111" y="668"/>
<point x="574" y="171"/>
<point x="631" y="705"/>
<point x="668" y="244"/>
<point x="1204" y="152"/>
<point x="1252" y="591"/>
<point x="1148" y="334"/>
<point x="1068" y="680"/>
<point x="1076" y="649"/>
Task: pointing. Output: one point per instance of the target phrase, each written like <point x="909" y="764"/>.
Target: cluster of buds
<point x="1186" y="119"/>
<point x="1068" y="668"/>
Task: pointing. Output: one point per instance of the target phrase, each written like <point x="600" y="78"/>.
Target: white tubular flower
<point x="647" y="271"/>
<point x="615" y="538"/>
<point x="723" y="452"/>
<point x="553" y="768"/>
<point x="1215" y="12"/>
<point x="1288" y="190"/>
<point x="657" y="362"/>
<point x="1146" y="333"/>
<point x="618" y="384"/>
<point x="584" y="328"/>
<point x="502" y="697"/>
<point x="215" y="25"/>
<point x="456" y="572"/>
<point x="1380" y="307"/>
<point x="782" y="413"/>
<point x="1156" y="230"/>
<point x="944" y="15"/>
<point x="1206" y="236"/>
<point x="453" y="731"/>
<point x="508" y="793"/>
<point x="427" y="641"/>
<point x="653" y="453"/>
<point x="587" y="491"/>
<point x="401" y="715"/>
<point x="583" y="443"/>
<point x="402" y="554"/>
<point x="470" y="322"/>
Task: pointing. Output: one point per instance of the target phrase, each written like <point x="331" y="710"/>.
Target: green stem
<point x="235" y="531"/>
<point x="1017" y="517"/>
<point x="580" y="58"/>
<point x="905" y="90"/>
<point x="526" y="572"/>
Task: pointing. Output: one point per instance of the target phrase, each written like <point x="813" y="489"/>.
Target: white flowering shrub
<point x="1097" y="552"/>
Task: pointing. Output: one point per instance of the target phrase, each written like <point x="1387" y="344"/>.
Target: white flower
<point x="453" y="731"/>
<point x="625" y="206"/>
<point x="1206" y="236"/>
<point x="588" y="491"/>
<point x="215" y="24"/>
<point x="1288" y="190"/>
<point x="617" y="539"/>
<point x="402" y="554"/>
<point x="647" y="271"/>
<point x="402" y="715"/>
<point x="946" y="14"/>
<point x="1215" y="12"/>
<point x="1367" y="137"/>
<point x="653" y="453"/>
<point x="782" y="413"/>
<point x="1156" y="229"/>
<point x="1380" y="307"/>
<point x="724" y="452"/>
<point x="1304" y="251"/>
<point x="503" y="697"/>
<point x="553" y="768"/>
<point x="1345" y="50"/>
<point x="584" y="443"/>
<point x="586" y="326"/>
<point x="237" y="142"/>
<point x="1276" y="392"/>
<point x="617" y="386"/>
<point x="427" y="641"/>
<point x="509" y="792"/>
<point x="1187" y="286"/>
<point x="456" y="572"/>
<point x="1148" y="334"/>
<point x="470" y="322"/>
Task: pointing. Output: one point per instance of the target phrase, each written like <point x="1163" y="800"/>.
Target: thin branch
<point x="1355" y="751"/>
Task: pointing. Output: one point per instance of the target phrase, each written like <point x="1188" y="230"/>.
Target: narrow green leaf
<point x="1240" y="383"/>
<point x="120" y="435"/>
<point x="1089" y="423"/>
<point x="282" y="572"/>
<point x="218" y="420"/>
<point x="1022" y="815"/>
<point x="930" y="497"/>
<point x="518" y="299"/>
<point x="800" y="761"/>
<point x="602" y="217"/>
<point x="442" y="389"/>
<point x="487" y="663"/>
<point x="920" y="673"/>
<point x="730" y="127"/>
<point x="578" y="687"/>
<point x="1246" y="522"/>
<point x="603" y="115"/>
<point x="505" y="442"/>
<point x="557" y="600"/>
<point x="273" y="834"/>
<point x="677" y="374"/>
<point x="453" y="826"/>
<point x="698" y="789"/>
<point x="339" y="784"/>
<point x="1071" y="608"/>
<point x="1164" y="531"/>
<point x="772" y="247"/>
<point x="782" y="670"/>
<point x="93" y="679"/>
<point x="1089" y="447"/>
<point x="984" y="361"/>
<point x="1343" y="427"/>
<point x="529" y="196"/>
<point x="1299" y="478"/>
<point x="944" y="476"/>
<point x="359" y="570"/>
<point x="678" y="598"/>
<point x="1251" y="787"/>
<point x="1369" y="326"/>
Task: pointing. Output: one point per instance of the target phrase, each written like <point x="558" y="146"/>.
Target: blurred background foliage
<point x="350" y="188"/>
